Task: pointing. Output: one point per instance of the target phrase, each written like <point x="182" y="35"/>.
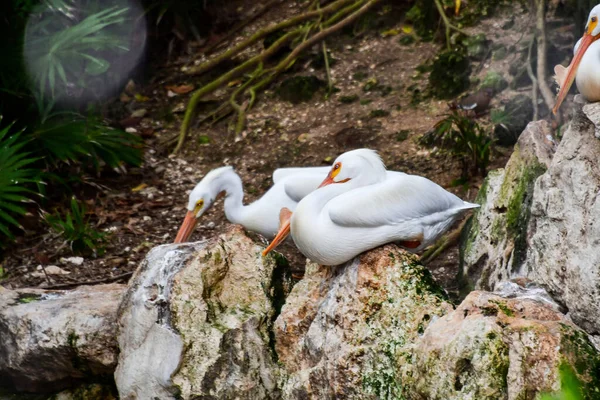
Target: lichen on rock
<point x="52" y="340"/>
<point x="496" y="348"/>
<point x="494" y="246"/>
<point x="563" y="248"/>
<point x="196" y="323"/>
<point x="348" y="331"/>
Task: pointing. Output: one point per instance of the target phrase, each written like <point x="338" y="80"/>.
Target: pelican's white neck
<point x="230" y="183"/>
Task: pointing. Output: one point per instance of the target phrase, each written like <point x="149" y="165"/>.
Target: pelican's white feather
<point x="395" y="201"/>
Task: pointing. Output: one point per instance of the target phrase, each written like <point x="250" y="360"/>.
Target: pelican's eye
<point x="336" y="169"/>
<point x="199" y="205"/>
<point x="592" y="25"/>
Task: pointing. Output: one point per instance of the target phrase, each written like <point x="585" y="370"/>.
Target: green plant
<point x="71" y="138"/>
<point x="570" y="386"/>
<point x="14" y="178"/>
<point x="76" y="230"/>
<point x="57" y="52"/>
<point x="450" y="72"/>
<point x="463" y="138"/>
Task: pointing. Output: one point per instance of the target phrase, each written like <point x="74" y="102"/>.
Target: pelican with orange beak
<point x="360" y="206"/>
<point x="585" y="66"/>
<point x="262" y="216"/>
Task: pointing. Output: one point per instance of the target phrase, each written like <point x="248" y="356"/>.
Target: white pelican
<point x="360" y="207"/>
<point x="262" y="216"/>
<point x="585" y="66"/>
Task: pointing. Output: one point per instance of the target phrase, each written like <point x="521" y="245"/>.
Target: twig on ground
<point x="449" y="26"/>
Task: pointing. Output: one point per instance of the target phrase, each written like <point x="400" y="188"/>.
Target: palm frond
<point x="72" y="138"/>
<point x="14" y="179"/>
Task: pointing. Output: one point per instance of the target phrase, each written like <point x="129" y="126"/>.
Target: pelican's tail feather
<point x="468" y="206"/>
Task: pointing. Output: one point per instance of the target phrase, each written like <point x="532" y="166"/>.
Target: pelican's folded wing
<point x="396" y="200"/>
<point x="300" y="185"/>
<point x="281" y="173"/>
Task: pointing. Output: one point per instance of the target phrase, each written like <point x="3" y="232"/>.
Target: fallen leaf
<point x="139" y="187"/>
<point x="234" y="83"/>
<point x="141" y="98"/>
<point x="182" y="89"/>
<point x="390" y="32"/>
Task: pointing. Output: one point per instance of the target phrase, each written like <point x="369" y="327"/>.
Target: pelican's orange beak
<point x="187" y="227"/>
<point x="284" y="232"/>
<point x="328" y="181"/>
<point x="571" y="72"/>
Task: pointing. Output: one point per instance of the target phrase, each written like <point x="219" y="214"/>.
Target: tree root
<point x="449" y="26"/>
<point x="342" y="17"/>
<point x="207" y="66"/>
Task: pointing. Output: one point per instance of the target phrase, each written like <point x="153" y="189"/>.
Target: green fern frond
<point x="14" y="179"/>
<point x="75" y="138"/>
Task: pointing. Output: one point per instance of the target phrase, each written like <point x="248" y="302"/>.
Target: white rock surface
<point x="195" y="323"/>
<point x="564" y="249"/>
<point x="495" y="245"/>
<point x="52" y="339"/>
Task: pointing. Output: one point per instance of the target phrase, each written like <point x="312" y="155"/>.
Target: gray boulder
<point x="52" y="340"/>
<point x="493" y="348"/>
<point x="348" y="331"/>
<point x="564" y="249"/>
<point x="494" y="244"/>
<point x="195" y="323"/>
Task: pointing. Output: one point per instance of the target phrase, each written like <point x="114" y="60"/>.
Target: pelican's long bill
<point x="586" y="42"/>
<point x="187" y="227"/>
<point x="284" y="232"/>
<point x="284" y="229"/>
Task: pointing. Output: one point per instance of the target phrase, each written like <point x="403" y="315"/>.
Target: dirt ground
<point x="144" y="208"/>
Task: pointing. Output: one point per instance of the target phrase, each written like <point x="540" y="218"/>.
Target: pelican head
<point x="592" y="33"/>
<point x="362" y="166"/>
<point x="201" y="199"/>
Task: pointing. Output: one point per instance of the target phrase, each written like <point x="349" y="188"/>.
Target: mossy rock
<point x="450" y="73"/>
<point x="299" y="89"/>
<point x="495" y="81"/>
<point x="477" y="46"/>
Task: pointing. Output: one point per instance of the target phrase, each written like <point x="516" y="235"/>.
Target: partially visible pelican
<point x="585" y="66"/>
<point x="359" y="207"/>
<point x="262" y="216"/>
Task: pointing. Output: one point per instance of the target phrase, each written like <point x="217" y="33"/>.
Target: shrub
<point x="76" y="230"/>
<point x="15" y="176"/>
<point x="462" y="138"/>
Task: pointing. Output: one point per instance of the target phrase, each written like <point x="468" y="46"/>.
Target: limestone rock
<point x="494" y="246"/>
<point x="563" y="253"/>
<point x="496" y="348"/>
<point x="195" y="323"/>
<point x="348" y="331"/>
<point x="53" y="339"/>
